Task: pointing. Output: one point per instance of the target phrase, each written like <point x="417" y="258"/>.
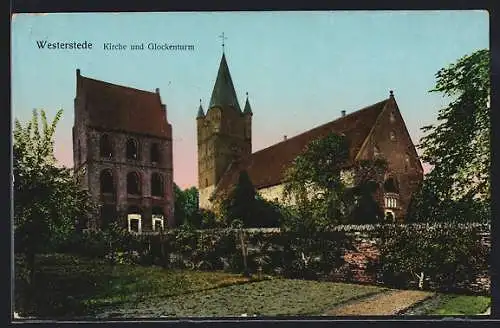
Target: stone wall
<point x="360" y="259"/>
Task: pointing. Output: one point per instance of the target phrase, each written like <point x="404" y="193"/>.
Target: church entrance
<point x="134" y="219"/>
<point x="158" y="219"/>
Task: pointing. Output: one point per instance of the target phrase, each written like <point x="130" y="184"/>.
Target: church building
<point x="225" y="148"/>
<point x="122" y="152"/>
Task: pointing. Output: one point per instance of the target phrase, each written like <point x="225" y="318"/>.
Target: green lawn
<point x="70" y="286"/>
<point x="73" y="286"/>
<point x="461" y="305"/>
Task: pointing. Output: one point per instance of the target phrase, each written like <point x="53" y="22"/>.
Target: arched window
<point x="156" y="185"/>
<point x="206" y="182"/>
<point x="390" y="185"/>
<point x="132" y="149"/>
<point x="392" y="136"/>
<point x="133" y="184"/>
<point x="155" y="153"/>
<point x="107" y="182"/>
<point x="376" y="152"/>
<point x="105" y="146"/>
<point x="389" y="216"/>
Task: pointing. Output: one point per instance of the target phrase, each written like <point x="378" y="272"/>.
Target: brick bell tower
<point x="224" y="133"/>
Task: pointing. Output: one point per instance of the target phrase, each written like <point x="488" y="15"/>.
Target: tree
<point x="458" y="146"/>
<point x="191" y="204"/>
<point x="326" y="191"/>
<point x="314" y="183"/>
<point x="187" y="207"/>
<point x="179" y="205"/>
<point x="241" y="202"/>
<point x="48" y="200"/>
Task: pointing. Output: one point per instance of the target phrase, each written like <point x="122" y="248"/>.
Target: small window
<point x="206" y="182"/>
<point x="155" y="153"/>
<point x="106" y="149"/>
<point x="392" y="136"/>
<point x="407" y="162"/>
<point x="389" y="217"/>
<point x="132" y="149"/>
<point x="392" y="117"/>
<point x="376" y="152"/>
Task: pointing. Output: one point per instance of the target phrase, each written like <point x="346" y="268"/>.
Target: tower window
<point x="392" y="136"/>
<point x="132" y="149"/>
<point x="392" y="117"/>
<point x="376" y="152"/>
<point x="390" y="185"/>
<point x="107" y="183"/>
<point x="157" y="185"/>
<point x="155" y="153"/>
<point x="105" y="146"/>
<point x="133" y="185"/>
<point x="407" y="162"/>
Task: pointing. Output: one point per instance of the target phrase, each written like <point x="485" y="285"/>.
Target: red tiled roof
<point x="267" y="167"/>
<point x="118" y="107"/>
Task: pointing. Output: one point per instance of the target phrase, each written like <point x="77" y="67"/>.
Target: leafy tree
<point x="179" y="205"/>
<point x="241" y="202"/>
<point x="325" y="191"/>
<point x="191" y="205"/>
<point x="458" y="146"/>
<point x="314" y="183"/>
<point x="187" y="211"/>
<point x="48" y="200"/>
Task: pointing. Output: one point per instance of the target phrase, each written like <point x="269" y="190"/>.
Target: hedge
<point x="451" y="257"/>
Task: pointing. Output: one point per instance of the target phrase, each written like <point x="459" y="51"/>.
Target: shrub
<point x="450" y="256"/>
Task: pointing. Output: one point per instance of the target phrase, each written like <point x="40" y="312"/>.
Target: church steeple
<point x="201" y="113"/>
<point x="223" y="94"/>
<point x="247" y="109"/>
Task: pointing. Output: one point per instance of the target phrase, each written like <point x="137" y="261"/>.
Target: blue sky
<point x="299" y="68"/>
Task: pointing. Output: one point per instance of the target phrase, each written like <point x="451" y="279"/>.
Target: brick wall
<point x="364" y="253"/>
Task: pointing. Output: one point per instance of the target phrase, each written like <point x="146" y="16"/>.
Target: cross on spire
<point x="222" y="38"/>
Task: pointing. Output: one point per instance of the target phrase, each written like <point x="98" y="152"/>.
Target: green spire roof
<point x="223" y="94"/>
<point x="248" y="108"/>
<point x="200" y="111"/>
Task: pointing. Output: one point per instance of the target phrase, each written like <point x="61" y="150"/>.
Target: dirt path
<point x="390" y="303"/>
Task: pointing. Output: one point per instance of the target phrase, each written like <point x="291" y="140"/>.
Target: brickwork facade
<point x="127" y="172"/>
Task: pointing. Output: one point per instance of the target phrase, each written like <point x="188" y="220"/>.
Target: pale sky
<point x="299" y="68"/>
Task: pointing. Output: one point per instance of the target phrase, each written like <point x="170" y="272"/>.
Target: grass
<point x="72" y="286"/>
<point x="276" y="297"/>
<point x="461" y="305"/>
